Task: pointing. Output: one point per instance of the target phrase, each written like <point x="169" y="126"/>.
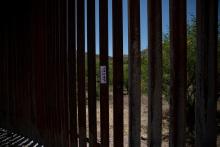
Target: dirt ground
<point x="144" y="121"/>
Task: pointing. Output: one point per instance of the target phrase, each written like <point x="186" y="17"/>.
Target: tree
<point x="191" y="69"/>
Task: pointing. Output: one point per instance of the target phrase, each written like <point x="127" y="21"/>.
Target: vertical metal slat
<point x="117" y="73"/>
<point x="104" y="65"/>
<point x="134" y="74"/>
<point x="178" y="72"/>
<point x="81" y="73"/>
<point x="91" y="63"/>
<point x="155" y="73"/>
<point x="206" y="75"/>
<point x="72" y="72"/>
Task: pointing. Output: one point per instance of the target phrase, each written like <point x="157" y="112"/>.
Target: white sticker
<point x="103" y="75"/>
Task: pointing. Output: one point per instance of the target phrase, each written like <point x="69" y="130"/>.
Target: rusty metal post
<point x="47" y="71"/>
<point x="52" y="77"/>
<point x="206" y="95"/>
<point x="178" y="72"/>
<point x="72" y="72"/>
<point x="4" y="61"/>
<point x="38" y="63"/>
<point x="117" y="72"/>
<point x="91" y="72"/>
<point x="11" y="76"/>
<point x="63" y="62"/>
<point x="57" y="69"/>
<point x="104" y="72"/>
<point x="59" y="73"/>
<point x="155" y="73"/>
<point x="81" y="73"/>
<point x="2" y="45"/>
<point x="134" y="73"/>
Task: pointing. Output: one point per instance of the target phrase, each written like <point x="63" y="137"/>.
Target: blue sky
<point x="191" y="11"/>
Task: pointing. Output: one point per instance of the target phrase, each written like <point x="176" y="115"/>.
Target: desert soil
<point x="144" y="121"/>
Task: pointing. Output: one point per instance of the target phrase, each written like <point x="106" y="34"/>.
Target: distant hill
<point x="125" y="64"/>
<point x="144" y="52"/>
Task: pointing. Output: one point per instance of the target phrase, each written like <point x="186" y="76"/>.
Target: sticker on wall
<point x="103" y="75"/>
